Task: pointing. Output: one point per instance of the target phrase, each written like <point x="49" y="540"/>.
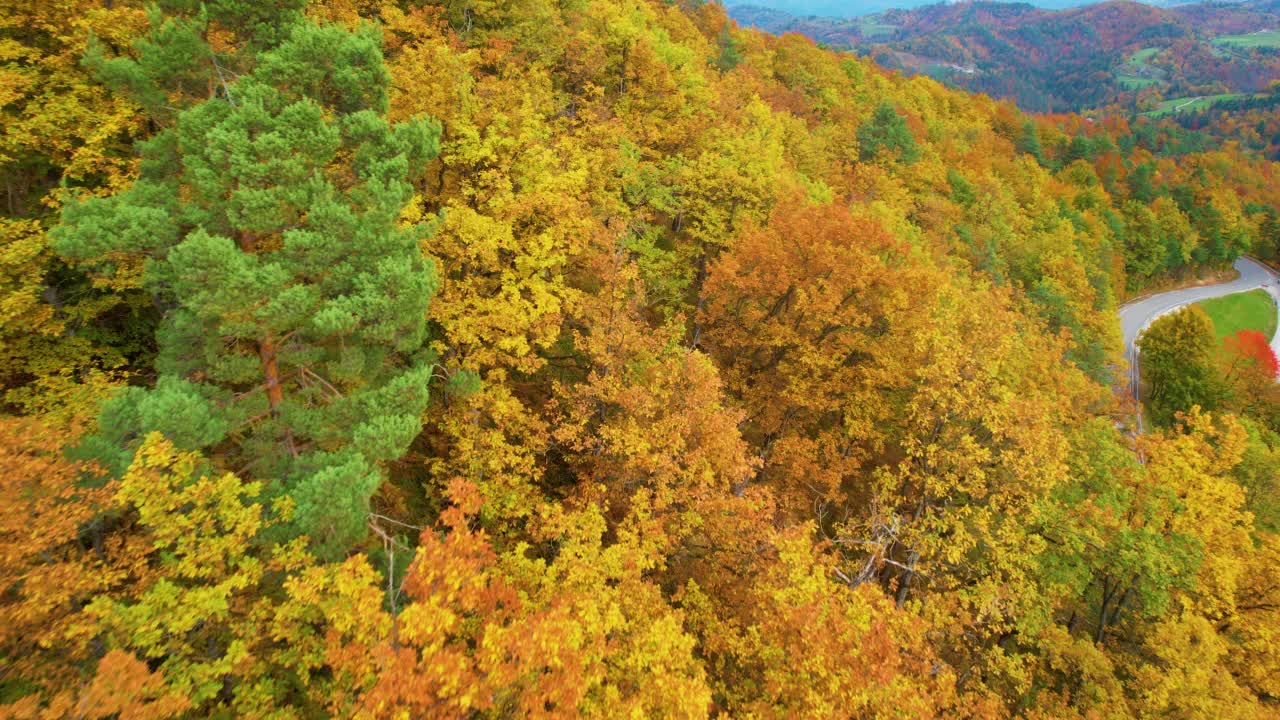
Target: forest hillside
<point x="1118" y="55"/>
<point x="507" y="358"/>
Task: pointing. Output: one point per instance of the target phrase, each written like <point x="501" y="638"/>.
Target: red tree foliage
<point x="1253" y="345"/>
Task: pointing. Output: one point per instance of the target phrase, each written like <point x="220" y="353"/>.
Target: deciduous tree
<point x="1177" y="364"/>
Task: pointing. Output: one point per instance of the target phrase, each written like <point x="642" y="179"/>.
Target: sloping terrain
<point x="529" y="358"/>
<point x="1119" y="53"/>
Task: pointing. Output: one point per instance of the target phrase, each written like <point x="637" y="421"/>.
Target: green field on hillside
<point x="1253" y="310"/>
<point x="1190" y="104"/>
<point x="1136" y="72"/>
<point x="1133" y="82"/>
<point x="1266" y="39"/>
<point x="1144" y="55"/>
<point x="872" y="28"/>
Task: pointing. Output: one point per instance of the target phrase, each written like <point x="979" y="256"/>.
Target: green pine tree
<point x="292" y="345"/>
<point x="1029" y="142"/>
<point x="1078" y="149"/>
<point x="1142" y="183"/>
<point x="887" y="132"/>
<point x="174" y="66"/>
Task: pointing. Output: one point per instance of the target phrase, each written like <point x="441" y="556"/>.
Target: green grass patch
<point x="1190" y="104"/>
<point x="1144" y="55"/>
<point x="1251" y="310"/>
<point x="1132" y="82"/>
<point x="1268" y="39"/>
<point x="871" y="28"/>
<point x="1137" y="72"/>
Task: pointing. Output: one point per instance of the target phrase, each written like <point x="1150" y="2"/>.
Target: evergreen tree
<point x="730" y="51"/>
<point x="887" y="131"/>
<point x="1078" y="149"/>
<point x="295" y="301"/>
<point x="176" y="66"/>
<point x="1029" y="142"/>
<point x="1141" y="183"/>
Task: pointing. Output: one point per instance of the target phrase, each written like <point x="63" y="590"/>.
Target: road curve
<point x="1137" y="315"/>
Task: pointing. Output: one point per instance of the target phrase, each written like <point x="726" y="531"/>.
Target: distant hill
<point x="856" y="8"/>
<point x="1119" y="53"/>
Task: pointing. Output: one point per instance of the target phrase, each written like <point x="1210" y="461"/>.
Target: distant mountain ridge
<point x="859" y="8"/>
<point x="1119" y="52"/>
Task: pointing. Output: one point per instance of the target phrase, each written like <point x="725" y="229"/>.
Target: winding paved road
<point x="1137" y="315"/>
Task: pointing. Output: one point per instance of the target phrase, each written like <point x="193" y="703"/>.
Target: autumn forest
<point x="603" y="358"/>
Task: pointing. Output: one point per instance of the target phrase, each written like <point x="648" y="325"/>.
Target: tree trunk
<point x="267" y="351"/>
<point x="271" y="372"/>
